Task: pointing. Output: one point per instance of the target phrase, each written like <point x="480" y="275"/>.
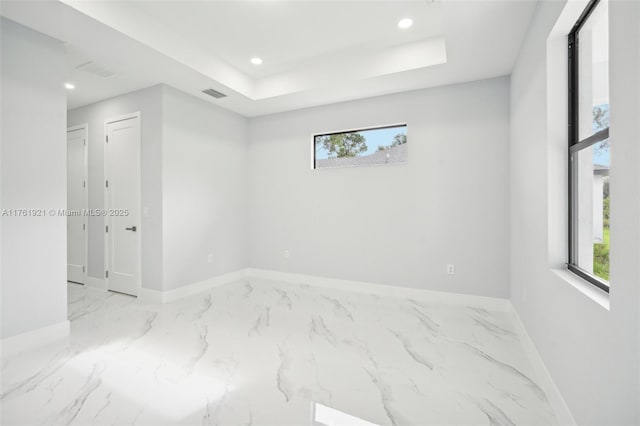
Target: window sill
<point x="583" y="286"/>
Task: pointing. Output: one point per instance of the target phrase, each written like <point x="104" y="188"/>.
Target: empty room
<point x="320" y="212"/>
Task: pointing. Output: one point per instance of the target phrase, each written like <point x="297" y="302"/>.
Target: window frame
<point x="360" y="129"/>
<point x="576" y="145"/>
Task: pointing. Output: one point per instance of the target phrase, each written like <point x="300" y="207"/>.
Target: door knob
<point x="133" y="228"/>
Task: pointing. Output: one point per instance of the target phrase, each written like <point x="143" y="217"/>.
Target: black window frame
<point x="576" y="145"/>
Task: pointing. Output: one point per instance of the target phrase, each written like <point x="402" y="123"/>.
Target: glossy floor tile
<point x="268" y="353"/>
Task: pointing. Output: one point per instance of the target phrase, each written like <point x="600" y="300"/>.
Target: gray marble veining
<point x="259" y="352"/>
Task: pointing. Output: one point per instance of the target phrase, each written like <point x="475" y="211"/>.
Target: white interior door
<point x="122" y="169"/>
<point x="76" y="202"/>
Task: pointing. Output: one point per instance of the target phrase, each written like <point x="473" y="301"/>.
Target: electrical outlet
<point x="285" y="254"/>
<point x="451" y="269"/>
<point x="210" y="258"/>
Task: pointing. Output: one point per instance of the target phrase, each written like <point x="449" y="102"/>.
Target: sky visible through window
<point x="601" y="156"/>
<point x="374" y="138"/>
<point x="601" y="151"/>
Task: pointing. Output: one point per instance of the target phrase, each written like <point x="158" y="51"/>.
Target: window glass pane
<point x="593" y="54"/>
<point x="385" y="145"/>
<point x="591" y="191"/>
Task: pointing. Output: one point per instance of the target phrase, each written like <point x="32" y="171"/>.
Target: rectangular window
<point x="589" y="145"/>
<point x="373" y="146"/>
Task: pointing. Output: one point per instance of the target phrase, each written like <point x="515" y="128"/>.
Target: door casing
<point x="85" y="172"/>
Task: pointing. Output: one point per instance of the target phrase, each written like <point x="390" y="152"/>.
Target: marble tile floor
<point x="259" y="352"/>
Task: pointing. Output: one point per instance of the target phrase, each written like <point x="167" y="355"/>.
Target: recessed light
<point x="405" y="23"/>
<point x="256" y="61"/>
<point x="69" y="86"/>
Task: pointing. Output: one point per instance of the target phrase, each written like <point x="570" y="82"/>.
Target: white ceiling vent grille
<point x="95" y="69"/>
<point x="214" y="93"/>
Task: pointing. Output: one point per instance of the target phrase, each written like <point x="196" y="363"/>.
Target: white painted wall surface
<point x="204" y="175"/>
<point x="149" y="103"/>
<point x="193" y="185"/>
<point x="33" y="167"/>
<point x="591" y="352"/>
<point x="398" y="225"/>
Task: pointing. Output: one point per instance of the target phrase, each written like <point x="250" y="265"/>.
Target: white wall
<point x="204" y="176"/>
<point x="591" y="351"/>
<point x="33" y="168"/>
<point x="194" y="157"/>
<point x="398" y="225"/>
<point x="149" y="103"/>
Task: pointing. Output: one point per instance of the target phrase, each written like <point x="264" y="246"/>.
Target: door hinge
<point x="106" y="228"/>
<point x="84" y="141"/>
<point x="83" y="269"/>
<point x="106" y="274"/>
<point x="107" y="138"/>
<point x="84" y="227"/>
<point x="84" y="183"/>
<point x="106" y="183"/>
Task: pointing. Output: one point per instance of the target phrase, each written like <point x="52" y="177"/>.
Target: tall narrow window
<point x="589" y="145"/>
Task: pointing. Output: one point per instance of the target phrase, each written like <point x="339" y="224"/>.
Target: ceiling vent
<point x="214" y="93"/>
<point x="95" y="69"/>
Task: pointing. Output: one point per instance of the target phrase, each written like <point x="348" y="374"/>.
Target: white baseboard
<point x="384" y="290"/>
<point x="99" y="283"/>
<point x="156" y="296"/>
<point x="31" y="339"/>
<point x="147" y="295"/>
<point x="557" y="402"/>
